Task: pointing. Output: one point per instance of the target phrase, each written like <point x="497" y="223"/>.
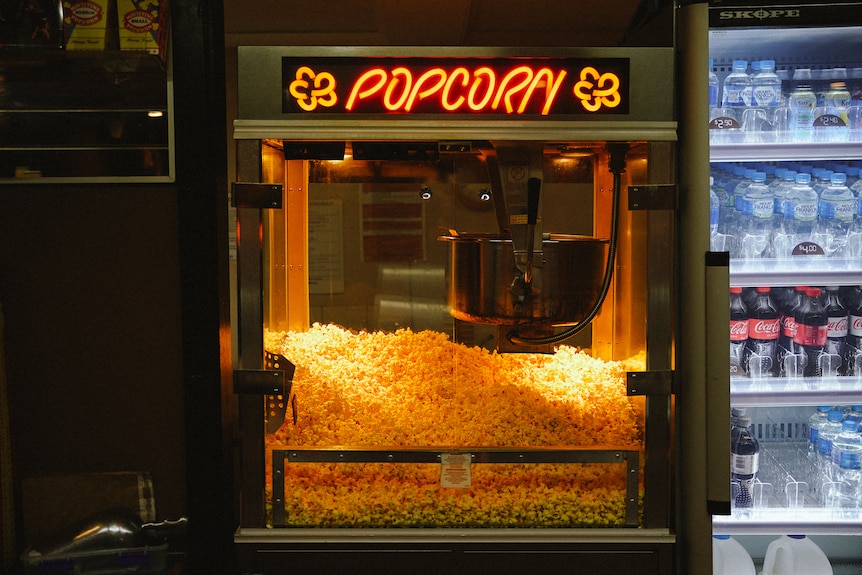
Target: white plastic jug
<point x="729" y="557"/>
<point x="795" y="555"/>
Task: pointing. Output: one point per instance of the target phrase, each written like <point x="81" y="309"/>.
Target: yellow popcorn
<point x="420" y="390"/>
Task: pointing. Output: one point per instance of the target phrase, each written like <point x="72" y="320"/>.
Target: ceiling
<point x="513" y="23"/>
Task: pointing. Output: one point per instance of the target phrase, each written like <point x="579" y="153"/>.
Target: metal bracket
<point x="657" y="197"/>
<point x="274" y="383"/>
<point x="649" y="382"/>
<point x="254" y="195"/>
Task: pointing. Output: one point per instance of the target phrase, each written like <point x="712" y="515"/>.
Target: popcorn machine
<point x="455" y="315"/>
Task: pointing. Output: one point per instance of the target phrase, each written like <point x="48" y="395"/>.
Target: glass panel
<point x="87" y="115"/>
<point x="389" y="384"/>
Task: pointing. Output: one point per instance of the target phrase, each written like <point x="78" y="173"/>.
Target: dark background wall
<point x="116" y="314"/>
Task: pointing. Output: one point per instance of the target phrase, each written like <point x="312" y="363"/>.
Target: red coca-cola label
<point x="810" y="335"/>
<point x="739" y="330"/>
<point x="837" y="327"/>
<point x="788" y="325"/>
<point x="764" y="328"/>
<point x="855" y="325"/>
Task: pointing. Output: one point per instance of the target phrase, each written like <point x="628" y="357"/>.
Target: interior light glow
<point x="155" y="114"/>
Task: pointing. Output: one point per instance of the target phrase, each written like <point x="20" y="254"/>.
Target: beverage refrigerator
<point x="455" y="282"/>
<point x="784" y="92"/>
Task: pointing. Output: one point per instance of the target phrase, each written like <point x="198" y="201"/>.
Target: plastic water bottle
<point x="832" y="361"/>
<point x="800" y="218"/>
<point x="811" y="329"/>
<point x="713" y="86"/>
<point x="815" y="422"/>
<point x="795" y="555"/>
<point x="738" y="333"/>
<point x="837" y="212"/>
<point x="821" y="178"/>
<point x="714" y="206"/>
<point x="847" y="467"/>
<point x="766" y="86"/>
<point x="729" y="557"/>
<point x="756" y="219"/>
<point x="737" y="87"/>
<point x="744" y="464"/>
<point x="854" y="238"/>
<point x="825" y="436"/>
<point x="803" y="100"/>
<point x="830" y="116"/>
<point x="855" y="414"/>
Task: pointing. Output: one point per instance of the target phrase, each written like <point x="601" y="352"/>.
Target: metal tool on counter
<point x="111" y="529"/>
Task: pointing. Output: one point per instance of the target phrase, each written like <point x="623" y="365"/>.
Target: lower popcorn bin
<point x="408" y="429"/>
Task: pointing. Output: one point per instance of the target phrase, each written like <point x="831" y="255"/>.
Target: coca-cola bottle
<point x="811" y="329"/>
<point x="786" y="354"/>
<point x="744" y="464"/>
<point x="738" y="333"/>
<point x="836" y="332"/>
<point x="764" y="326"/>
<point x="853" y="343"/>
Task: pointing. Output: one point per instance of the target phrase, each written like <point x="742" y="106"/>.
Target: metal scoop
<point x="111" y="529"/>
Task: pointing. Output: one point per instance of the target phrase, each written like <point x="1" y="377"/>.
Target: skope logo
<point x="759" y="14"/>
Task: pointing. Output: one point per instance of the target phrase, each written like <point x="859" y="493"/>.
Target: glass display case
<point x="450" y="331"/>
<point x="94" y="112"/>
<point x="803" y="150"/>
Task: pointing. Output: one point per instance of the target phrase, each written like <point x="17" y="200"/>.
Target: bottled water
<point x="802" y="104"/>
<point x="830" y="117"/>
<point x="713" y="86"/>
<point x="855" y="414"/>
<point x="846" y="468"/>
<point x="800" y="217"/>
<point x="756" y="219"/>
<point x="737" y="87"/>
<point x="781" y="186"/>
<point x="714" y="206"/>
<point x="825" y="436"/>
<point x="821" y="178"/>
<point x="837" y="212"/>
<point x="815" y="422"/>
<point x="766" y="87"/>
<point x="854" y="237"/>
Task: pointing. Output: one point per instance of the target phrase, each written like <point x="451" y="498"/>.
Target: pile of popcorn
<point x="410" y="390"/>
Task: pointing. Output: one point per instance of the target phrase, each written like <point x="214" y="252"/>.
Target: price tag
<point x="455" y="470"/>
<point x="723" y="123"/>
<point x="808" y="249"/>
<point x="828" y="120"/>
